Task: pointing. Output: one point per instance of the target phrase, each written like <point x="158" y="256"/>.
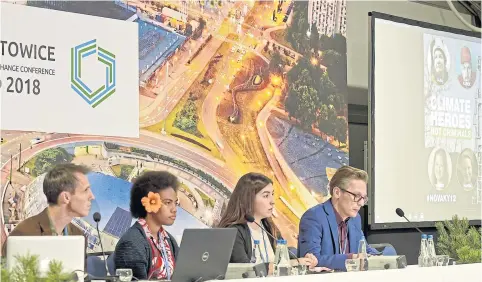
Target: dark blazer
<point x="319" y="236"/>
<point x="242" y="248"/>
<point x="39" y="225"/>
<point x="133" y="251"/>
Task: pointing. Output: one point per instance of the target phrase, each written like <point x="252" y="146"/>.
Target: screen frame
<point x="373" y="16"/>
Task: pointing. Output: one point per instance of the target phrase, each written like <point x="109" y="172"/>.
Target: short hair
<point x="151" y="181"/>
<point x="61" y="178"/>
<point x="344" y="175"/>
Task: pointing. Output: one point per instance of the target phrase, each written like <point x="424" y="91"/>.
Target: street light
<point x="314" y="61"/>
<point x="275" y="80"/>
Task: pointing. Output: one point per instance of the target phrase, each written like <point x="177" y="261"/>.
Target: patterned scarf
<point x="158" y="270"/>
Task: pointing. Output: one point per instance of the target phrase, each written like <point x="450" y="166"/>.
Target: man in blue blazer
<point x="332" y="230"/>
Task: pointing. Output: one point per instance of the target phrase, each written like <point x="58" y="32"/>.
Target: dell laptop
<point x="204" y="254"/>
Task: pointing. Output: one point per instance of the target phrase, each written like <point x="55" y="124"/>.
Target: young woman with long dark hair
<point x="254" y="196"/>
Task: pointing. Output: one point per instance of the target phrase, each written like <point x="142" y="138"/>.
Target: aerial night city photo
<point x="225" y="88"/>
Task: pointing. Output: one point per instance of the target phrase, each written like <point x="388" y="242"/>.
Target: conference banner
<point x="69" y="73"/>
<point x="221" y="88"/>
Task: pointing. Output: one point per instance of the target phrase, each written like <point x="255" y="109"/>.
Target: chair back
<point x="385" y="248"/>
<point x="95" y="266"/>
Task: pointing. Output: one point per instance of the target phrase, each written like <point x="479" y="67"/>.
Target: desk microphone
<point x="250" y="219"/>
<point x="97" y="218"/>
<point x="400" y="213"/>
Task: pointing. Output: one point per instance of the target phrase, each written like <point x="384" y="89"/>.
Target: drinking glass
<point x="442" y="260"/>
<point x="352" y="265"/>
<point x="125" y="274"/>
<point x="299" y="269"/>
<point x="302" y="269"/>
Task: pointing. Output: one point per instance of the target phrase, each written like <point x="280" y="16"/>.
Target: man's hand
<point x="321" y="269"/>
<point x="309" y="260"/>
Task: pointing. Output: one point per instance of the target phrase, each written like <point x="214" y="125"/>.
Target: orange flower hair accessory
<point x="152" y="203"/>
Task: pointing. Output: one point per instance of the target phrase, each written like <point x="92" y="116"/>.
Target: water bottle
<point x="422" y="257"/>
<point x="362" y="254"/>
<point x="255" y="248"/>
<point x="283" y="267"/>
<point x="431" y="251"/>
<point x="276" y="255"/>
<point x="258" y="249"/>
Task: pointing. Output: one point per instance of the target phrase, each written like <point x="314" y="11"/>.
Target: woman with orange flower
<point x="146" y="247"/>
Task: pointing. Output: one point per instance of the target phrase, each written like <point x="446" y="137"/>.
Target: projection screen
<point x="425" y="127"/>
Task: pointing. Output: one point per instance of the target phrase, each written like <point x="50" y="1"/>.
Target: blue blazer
<point x="319" y="236"/>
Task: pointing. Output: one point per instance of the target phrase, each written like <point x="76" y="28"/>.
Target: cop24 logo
<point x="98" y="94"/>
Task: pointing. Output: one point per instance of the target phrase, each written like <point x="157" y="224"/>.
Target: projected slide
<point x="451" y="88"/>
<point x="427" y="148"/>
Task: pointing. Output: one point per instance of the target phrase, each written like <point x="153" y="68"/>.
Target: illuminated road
<point x="13" y="139"/>
<point x="209" y="110"/>
<point x="245" y="47"/>
<point x="158" y="144"/>
<point x="181" y="84"/>
<point x="276" y="160"/>
<point x="181" y="75"/>
<point x="267" y="36"/>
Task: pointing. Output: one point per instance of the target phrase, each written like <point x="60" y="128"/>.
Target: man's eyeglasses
<point x="356" y="198"/>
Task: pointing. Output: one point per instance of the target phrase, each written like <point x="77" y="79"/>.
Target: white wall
<point x="357" y="32"/>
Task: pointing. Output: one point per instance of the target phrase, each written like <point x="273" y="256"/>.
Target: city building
<point x="329" y="16"/>
<point x="181" y="6"/>
<point x="105" y="9"/>
<point x="35" y="200"/>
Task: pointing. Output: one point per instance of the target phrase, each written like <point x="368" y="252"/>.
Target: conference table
<point x="452" y="273"/>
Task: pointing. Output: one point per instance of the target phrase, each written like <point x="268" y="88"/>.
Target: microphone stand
<point x="401" y="213"/>
<point x="102" y="249"/>
<point x="269" y="234"/>
<point x="108" y="277"/>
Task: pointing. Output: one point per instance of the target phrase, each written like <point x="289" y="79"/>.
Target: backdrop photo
<point x="224" y="88"/>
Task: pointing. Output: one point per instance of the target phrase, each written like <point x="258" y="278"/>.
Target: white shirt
<point x="258" y="235"/>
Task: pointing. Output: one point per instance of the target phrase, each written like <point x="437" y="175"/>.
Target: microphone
<point x="400" y="213"/>
<point x="97" y="218"/>
<point x="250" y="219"/>
<point x="41" y="229"/>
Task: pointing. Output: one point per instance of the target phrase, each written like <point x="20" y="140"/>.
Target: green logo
<point x="100" y="94"/>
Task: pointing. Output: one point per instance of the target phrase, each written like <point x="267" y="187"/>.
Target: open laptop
<point x="70" y="250"/>
<point x="204" y="254"/>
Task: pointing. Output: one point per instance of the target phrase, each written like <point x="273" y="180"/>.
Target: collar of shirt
<point x="340" y="220"/>
<point x="52" y="227"/>
<point x="148" y="232"/>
